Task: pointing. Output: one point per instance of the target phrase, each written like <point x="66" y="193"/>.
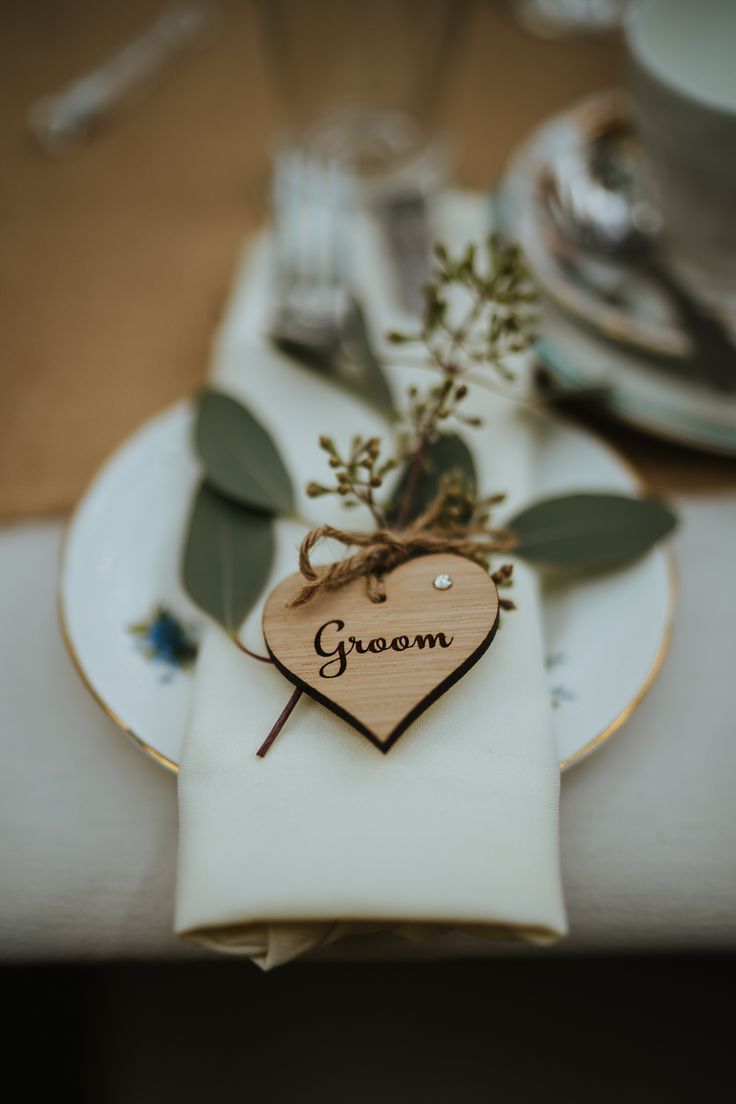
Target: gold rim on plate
<point x="592" y="745"/>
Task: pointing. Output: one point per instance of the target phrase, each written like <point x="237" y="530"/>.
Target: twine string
<point x="380" y="551"/>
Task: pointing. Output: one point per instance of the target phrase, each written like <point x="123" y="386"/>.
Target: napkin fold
<point x="457" y="825"/>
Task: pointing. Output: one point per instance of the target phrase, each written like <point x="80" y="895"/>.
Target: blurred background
<point x="121" y="227"/>
<point x="119" y="248"/>
<point x="117" y="258"/>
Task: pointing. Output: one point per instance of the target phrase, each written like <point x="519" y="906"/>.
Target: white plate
<point x="606" y="635"/>
<point x="635" y="350"/>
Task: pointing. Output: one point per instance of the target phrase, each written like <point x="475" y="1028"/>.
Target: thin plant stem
<point x="248" y="652"/>
<point x="417" y="460"/>
<point x="283" y="718"/>
<point x="416" y="466"/>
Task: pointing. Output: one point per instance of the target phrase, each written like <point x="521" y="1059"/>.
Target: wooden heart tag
<point x="380" y="665"/>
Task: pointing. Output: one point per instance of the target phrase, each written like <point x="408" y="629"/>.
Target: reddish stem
<point x="418" y="458"/>
<point x="283" y="718"/>
<point x="286" y="711"/>
<point x="404" y="510"/>
<point x="253" y="655"/>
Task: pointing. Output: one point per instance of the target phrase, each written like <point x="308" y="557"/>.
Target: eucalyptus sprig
<point x="478" y="314"/>
<point x="498" y="316"/>
<point x="478" y="311"/>
<point x="358" y="475"/>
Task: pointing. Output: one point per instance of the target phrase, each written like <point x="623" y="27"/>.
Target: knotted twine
<point x="384" y="549"/>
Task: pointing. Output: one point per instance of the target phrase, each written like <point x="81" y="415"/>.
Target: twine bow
<point x="384" y="549"/>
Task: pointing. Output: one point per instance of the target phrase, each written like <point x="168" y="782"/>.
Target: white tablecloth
<point x="88" y="823"/>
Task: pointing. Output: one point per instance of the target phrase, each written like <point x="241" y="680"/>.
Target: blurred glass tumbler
<point x="682" y="65"/>
<point x="359" y="81"/>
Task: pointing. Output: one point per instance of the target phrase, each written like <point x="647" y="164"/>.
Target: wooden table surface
<point x="116" y="261"/>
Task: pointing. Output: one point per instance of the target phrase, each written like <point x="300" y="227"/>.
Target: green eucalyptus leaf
<point x="590" y="530"/>
<point x="371" y="383"/>
<point x="241" y="460"/>
<point x="448" y="454"/>
<point x="227" y="557"/>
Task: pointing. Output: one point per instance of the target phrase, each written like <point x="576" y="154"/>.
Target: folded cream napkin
<point x="457" y="826"/>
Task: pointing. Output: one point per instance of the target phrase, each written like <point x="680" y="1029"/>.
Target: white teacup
<point x="682" y="56"/>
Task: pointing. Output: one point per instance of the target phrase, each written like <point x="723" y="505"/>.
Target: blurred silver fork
<point x="313" y="198"/>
